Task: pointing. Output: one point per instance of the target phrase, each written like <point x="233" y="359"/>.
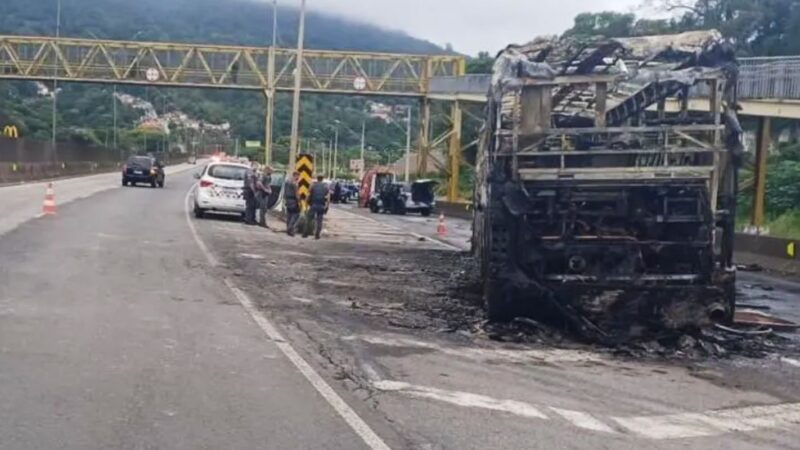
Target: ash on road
<point x="394" y="318"/>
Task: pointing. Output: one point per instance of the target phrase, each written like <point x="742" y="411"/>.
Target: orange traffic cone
<point x="49" y="205"/>
<point x="441" y="228"/>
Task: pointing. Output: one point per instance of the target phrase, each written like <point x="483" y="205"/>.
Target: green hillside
<point x="85" y="111"/>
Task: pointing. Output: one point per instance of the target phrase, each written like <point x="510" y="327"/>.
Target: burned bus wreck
<point x="599" y="195"/>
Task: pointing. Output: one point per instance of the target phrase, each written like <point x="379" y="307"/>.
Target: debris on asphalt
<point x="749" y="267"/>
<point x="753" y="318"/>
<point x="427" y="289"/>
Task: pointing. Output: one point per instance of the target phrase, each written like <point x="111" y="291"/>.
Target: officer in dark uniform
<point x="292" y="200"/>
<point x="263" y="195"/>
<point x="318" y="200"/>
<point x="250" y="181"/>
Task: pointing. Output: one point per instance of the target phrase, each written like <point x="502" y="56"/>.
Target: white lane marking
<point x="370" y="438"/>
<point x="466" y="399"/>
<point x="790" y="361"/>
<point x="665" y="427"/>
<point x="711" y="423"/>
<point x="672" y="426"/>
<point x="251" y="256"/>
<point x="583" y="420"/>
<point x="370" y="372"/>
<point x="212" y="260"/>
<point x="303" y="300"/>
<point x="415" y="235"/>
<point x="485" y="354"/>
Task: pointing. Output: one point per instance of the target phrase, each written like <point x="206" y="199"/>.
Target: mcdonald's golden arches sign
<point x="11" y="131"/>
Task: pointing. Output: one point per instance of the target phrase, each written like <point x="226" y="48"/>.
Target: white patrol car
<point x="220" y="188"/>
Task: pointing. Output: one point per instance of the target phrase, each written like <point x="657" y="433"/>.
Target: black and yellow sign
<point x="305" y="166"/>
<point x="11" y="131"/>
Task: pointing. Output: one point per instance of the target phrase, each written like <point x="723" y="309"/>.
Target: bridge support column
<point x="269" y="96"/>
<point x="454" y="154"/>
<point x="423" y="145"/>
<point x="760" y="173"/>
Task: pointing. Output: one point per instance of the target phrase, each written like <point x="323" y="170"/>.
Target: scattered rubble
<point x="416" y="290"/>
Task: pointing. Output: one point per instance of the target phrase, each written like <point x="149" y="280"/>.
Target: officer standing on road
<point x="292" y="200"/>
<point x="319" y="198"/>
<point x="250" y="197"/>
<point x="263" y="195"/>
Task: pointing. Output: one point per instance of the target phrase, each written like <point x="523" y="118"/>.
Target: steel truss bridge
<point x="265" y="69"/>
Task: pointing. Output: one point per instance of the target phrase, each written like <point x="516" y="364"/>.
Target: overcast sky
<point x="470" y="25"/>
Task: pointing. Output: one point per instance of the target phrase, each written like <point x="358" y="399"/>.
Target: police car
<point x="221" y="188"/>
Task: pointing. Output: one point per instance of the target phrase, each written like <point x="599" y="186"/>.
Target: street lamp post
<point x="114" y="98"/>
<point x="298" y="76"/>
<point x="55" y="75"/>
<point x="363" y="138"/>
<point x="336" y="152"/>
<point x="270" y="93"/>
<point x="408" y="144"/>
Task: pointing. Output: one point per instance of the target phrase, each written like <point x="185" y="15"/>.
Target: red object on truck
<point x="372" y="182"/>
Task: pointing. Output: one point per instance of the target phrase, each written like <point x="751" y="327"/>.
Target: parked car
<point x="399" y="198"/>
<point x="221" y="188"/>
<point x="423" y="197"/>
<point x="347" y="191"/>
<point x="143" y="169"/>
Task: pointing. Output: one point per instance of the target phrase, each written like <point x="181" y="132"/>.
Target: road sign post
<point x="305" y="166"/>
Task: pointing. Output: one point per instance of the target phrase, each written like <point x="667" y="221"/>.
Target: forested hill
<point x="208" y="21"/>
<point x="85" y="111"/>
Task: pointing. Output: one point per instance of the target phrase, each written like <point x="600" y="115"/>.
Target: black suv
<point x="143" y="169"/>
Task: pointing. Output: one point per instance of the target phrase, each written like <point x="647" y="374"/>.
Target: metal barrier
<point x="476" y="84"/>
<point x="759" y="78"/>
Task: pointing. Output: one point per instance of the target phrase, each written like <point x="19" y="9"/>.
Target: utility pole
<point x="408" y="144"/>
<point x="298" y="78"/>
<point x="55" y="77"/>
<point x="270" y="92"/>
<point x="114" y="99"/>
<point x="363" y="138"/>
<point x="336" y="153"/>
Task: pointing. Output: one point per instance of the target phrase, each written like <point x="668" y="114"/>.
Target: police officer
<point x="292" y="200"/>
<point x="318" y="199"/>
<point x="250" y="181"/>
<point x="263" y="195"/>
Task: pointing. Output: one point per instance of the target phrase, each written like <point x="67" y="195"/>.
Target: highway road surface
<point x="127" y="324"/>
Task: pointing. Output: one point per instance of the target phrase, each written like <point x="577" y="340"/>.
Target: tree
<point x="482" y="64"/>
<point x="606" y="23"/>
<point x="758" y="27"/>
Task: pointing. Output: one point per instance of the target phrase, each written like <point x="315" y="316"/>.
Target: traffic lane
<point x="115" y="334"/>
<point x="775" y="295"/>
<point x="458" y="232"/>
<point x="347" y="299"/>
<point x="23" y="202"/>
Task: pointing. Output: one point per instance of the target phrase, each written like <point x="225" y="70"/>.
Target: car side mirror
<point x="196" y="176"/>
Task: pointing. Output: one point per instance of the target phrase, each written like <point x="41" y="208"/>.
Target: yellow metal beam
<point x="454" y="155"/>
<point x="219" y="66"/>
<point x="424" y="149"/>
<point x="760" y="173"/>
<point x="776" y="108"/>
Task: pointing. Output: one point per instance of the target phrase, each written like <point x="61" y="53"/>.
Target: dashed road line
<point x="712" y="423"/>
<point x="790" y="361"/>
<point x="485" y="354"/>
<point x="413" y="237"/>
<point x="583" y="420"/>
<point x="664" y="427"/>
<point x="459" y="398"/>
<point x="356" y="423"/>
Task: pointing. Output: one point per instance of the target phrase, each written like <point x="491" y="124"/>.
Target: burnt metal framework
<point x="586" y="198"/>
<point x="230" y="67"/>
